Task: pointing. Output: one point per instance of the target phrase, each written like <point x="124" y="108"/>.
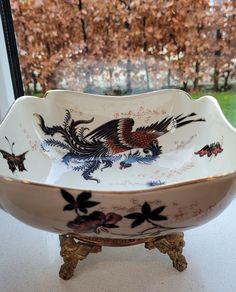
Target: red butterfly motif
<point x="210" y="150"/>
<point x="14" y="161"/>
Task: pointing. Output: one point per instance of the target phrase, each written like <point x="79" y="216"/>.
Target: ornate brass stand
<point x="75" y="249"/>
<point x="173" y="246"/>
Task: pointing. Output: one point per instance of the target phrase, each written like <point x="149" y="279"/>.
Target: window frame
<point x="10" y="48"/>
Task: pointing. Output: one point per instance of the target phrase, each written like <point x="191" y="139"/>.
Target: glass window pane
<point x="129" y="46"/>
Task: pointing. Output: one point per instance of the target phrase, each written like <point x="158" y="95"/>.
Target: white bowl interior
<point x="178" y="162"/>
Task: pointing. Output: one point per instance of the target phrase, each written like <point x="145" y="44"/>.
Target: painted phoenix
<point x="116" y="140"/>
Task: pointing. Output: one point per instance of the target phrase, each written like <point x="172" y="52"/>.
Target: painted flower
<point x="81" y="203"/>
<point x="147" y="215"/>
<point x="94" y="222"/>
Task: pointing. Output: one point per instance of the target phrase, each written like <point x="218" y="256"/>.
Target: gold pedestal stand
<point x="75" y="249"/>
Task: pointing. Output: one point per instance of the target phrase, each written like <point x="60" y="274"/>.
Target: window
<point x="129" y="46"/>
<point x="10" y="77"/>
<point x="11" y="48"/>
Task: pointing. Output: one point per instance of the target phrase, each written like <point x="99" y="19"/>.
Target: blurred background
<point x="120" y="47"/>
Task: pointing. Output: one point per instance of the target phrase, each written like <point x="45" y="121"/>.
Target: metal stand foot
<point x="173" y="246"/>
<point x="73" y="251"/>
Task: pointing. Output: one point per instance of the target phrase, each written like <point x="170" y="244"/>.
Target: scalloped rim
<point x="119" y="98"/>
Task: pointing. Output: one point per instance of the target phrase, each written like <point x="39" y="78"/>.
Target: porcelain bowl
<point x="116" y="167"/>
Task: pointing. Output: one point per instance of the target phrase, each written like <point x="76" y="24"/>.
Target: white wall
<point x="6" y="89"/>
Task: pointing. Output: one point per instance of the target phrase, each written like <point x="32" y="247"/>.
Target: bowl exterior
<point x="115" y="215"/>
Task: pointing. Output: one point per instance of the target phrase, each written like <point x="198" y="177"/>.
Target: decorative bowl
<point x="116" y="167"/>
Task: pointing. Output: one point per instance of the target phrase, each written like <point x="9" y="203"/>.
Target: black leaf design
<point x="67" y="196"/>
<point x="83" y="209"/>
<point x="160" y="218"/>
<point x="133" y="215"/>
<point x="155" y="214"/>
<point x="84" y="196"/>
<point x="146" y="214"/>
<point x="146" y="209"/>
<point x="68" y="207"/>
<point x="137" y="222"/>
<point x="90" y="204"/>
<point x="81" y="203"/>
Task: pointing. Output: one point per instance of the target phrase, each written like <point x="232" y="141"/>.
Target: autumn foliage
<point x="126" y="46"/>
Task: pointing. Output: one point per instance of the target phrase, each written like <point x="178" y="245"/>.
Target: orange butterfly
<point x="14" y="161"/>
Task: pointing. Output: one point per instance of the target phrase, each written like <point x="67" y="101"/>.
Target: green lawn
<point x="227" y="101"/>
